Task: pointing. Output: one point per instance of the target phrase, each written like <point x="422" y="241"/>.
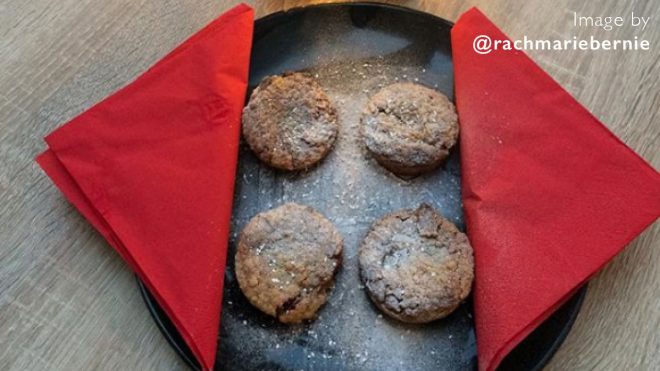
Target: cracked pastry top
<point x="286" y="261"/>
<point x="416" y="265"/>
<point x="289" y="122"/>
<point x="409" y="128"/>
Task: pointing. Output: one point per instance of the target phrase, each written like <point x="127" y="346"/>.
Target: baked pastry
<point x="289" y="122"/>
<point x="416" y="265"/>
<point x="409" y="128"/>
<point x="286" y="261"/>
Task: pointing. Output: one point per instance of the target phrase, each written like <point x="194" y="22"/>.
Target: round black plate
<point x="353" y="50"/>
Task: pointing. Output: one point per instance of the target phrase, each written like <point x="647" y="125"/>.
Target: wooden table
<point x="68" y="302"/>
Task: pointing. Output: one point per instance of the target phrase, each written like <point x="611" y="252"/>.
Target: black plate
<point x="353" y="50"/>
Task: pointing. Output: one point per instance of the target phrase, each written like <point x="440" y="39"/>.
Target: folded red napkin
<point x="152" y="168"/>
<point x="550" y="194"/>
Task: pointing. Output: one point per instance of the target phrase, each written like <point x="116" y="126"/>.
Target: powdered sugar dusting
<point x="352" y="191"/>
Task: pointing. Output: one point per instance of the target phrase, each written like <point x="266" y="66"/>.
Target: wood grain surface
<point x="67" y="301"/>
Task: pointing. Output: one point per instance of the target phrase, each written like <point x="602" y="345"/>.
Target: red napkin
<point x="550" y="194"/>
<point x="152" y="168"/>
